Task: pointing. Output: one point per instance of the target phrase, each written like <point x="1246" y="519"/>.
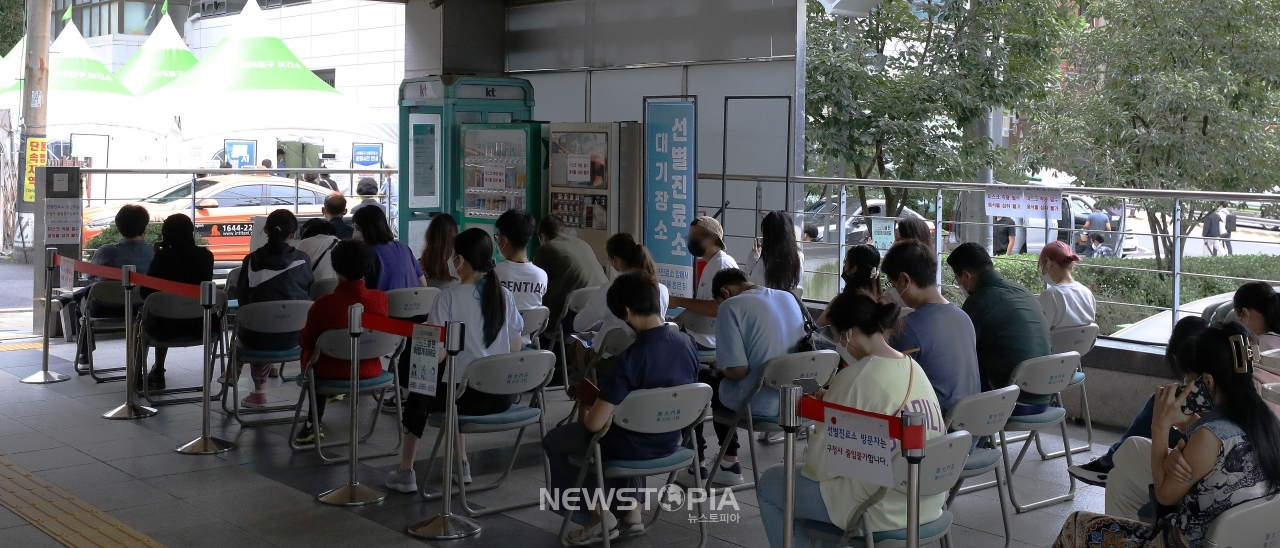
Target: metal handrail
<point x="232" y="171"/>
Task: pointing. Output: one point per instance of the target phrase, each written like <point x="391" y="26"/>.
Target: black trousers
<point x="713" y="377"/>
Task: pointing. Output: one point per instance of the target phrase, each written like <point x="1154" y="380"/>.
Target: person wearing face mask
<point x="625" y="255"/>
<point x="394" y="266"/>
<point x="1066" y="302"/>
<point x="1231" y="455"/>
<point x="526" y="282"/>
<point x="776" y="261"/>
<point x="879" y="379"/>
<point x="1007" y="319"/>
<point x="705" y="241"/>
<point x="1098" y="247"/>
<point x="861" y="273"/>
<point x="1257" y="307"/>
<point x="493" y="327"/>
<point x="941" y="333"/>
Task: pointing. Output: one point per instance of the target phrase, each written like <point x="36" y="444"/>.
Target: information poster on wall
<point x="882" y="233"/>
<point x="36" y="155"/>
<point x="1006" y="203"/>
<point x="62" y="220"/>
<point x="424" y="154"/>
<point x="423" y="362"/>
<point x="240" y="153"/>
<point x="858" y="447"/>
<point x="669" y="187"/>
<point x="66" y="273"/>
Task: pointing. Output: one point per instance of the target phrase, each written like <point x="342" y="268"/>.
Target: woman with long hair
<point x="776" y="261"/>
<point x="861" y="273"/>
<point x="493" y="327"/>
<point x="1231" y="456"/>
<point x="437" y="251"/>
<point x="177" y="258"/>
<point x="625" y="255"/>
<point x="1257" y="305"/>
<point x="911" y="228"/>
<point x="394" y="266"/>
<point x="1066" y="302"/>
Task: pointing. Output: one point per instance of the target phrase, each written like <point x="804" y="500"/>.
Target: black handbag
<point x="807" y="343"/>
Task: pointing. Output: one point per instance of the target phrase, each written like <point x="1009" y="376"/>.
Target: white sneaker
<point x="404" y="482"/>
<point x="768" y="438"/>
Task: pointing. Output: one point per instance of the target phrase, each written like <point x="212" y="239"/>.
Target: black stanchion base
<point x="205" y="446"/>
<point x="445" y="527"/>
<point x="351" y="494"/>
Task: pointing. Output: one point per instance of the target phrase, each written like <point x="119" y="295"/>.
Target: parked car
<point x="826" y="216"/>
<point x="223" y="208"/>
<point x="1031" y="233"/>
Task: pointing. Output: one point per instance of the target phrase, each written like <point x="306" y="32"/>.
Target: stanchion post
<point x="50" y="278"/>
<point x="130" y="409"/>
<point x="447" y="525"/>
<point x="789" y="420"/>
<point x="352" y="493"/>
<point x="913" y="428"/>
<point x="206" y="444"/>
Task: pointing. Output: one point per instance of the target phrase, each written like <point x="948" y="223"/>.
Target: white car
<point x="825" y="216"/>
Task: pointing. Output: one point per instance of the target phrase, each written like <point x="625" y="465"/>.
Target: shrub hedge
<point x="111" y="234"/>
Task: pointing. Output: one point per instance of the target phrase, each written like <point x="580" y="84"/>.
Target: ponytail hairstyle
<point x="623" y="246"/>
<point x="177" y="232"/>
<point x="862" y="311"/>
<point x="1261" y="299"/>
<point x="475" y="246"/>
<point x="779" y="251"/>
<point x="280" y="225"/>
<point x="1222" y="351"/>
<point x="864" y="261"/>
<point x="1057" y="252"/>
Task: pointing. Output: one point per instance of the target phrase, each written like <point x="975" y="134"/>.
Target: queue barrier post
<point x="789" y="420"/>
<point x="130" y="409"/>
<point x="44" y="376"/>
<point x="913" y="451"/>
<point x="448" y="525"/>
<point x="353" y="493"/>
<point x="205" y="444"/>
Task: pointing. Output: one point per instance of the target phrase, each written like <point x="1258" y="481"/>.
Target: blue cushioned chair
<point x="262" y="318"/>
<point x="336" y="343"/>
<point x="160" y="307"/>
<point x="1079" y="339"/>
<point x="940" y="470"/>
<point x="516" y="373"/>
<point x="648" y="411"/>
<point x="983" y="415"/>
<point x="1043" y="376"/>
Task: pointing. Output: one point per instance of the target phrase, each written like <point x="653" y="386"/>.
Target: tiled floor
<point x="263" y="494"/>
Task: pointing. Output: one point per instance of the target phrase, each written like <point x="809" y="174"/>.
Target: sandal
<point x="594" y="534"/>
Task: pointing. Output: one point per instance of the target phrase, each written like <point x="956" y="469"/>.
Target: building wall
<point x="114" y="50"/>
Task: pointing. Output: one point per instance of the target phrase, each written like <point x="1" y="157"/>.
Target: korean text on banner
<point x="66" y="274"/>
<point x="1044" y="204"/>
<point x="1006" y="203"/>
<point x="670" y="139"/>
<point x="366" y="154"/>
<point x="37" y="155"/>
<point x="858" y="447"/>
<point x="882" y="233"/>
<point x="423" y="361"/>
<point x="62" y="219"/>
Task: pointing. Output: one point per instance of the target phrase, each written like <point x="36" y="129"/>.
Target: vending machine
<point x="501" y="170"/>
<point x="596" y="180"/>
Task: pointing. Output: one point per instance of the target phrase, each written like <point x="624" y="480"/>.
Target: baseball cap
<point x="711" y="224"/>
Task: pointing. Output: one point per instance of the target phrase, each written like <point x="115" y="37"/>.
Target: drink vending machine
<point x="596" y="180"/>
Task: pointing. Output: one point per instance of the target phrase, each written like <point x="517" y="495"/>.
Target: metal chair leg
<point x="1088" y="430"/>
<point x="1009" y="475"/>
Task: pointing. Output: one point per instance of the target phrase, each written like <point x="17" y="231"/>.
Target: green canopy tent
<point x="161" y="60"/>
<point x="11" y="71"/>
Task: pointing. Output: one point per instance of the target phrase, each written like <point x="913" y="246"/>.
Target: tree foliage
<point x="1166" y="94"/>
<point x="11" y="16"/>
<point x="891" y="94"/>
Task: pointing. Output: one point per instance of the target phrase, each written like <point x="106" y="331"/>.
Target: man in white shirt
<point x="526" y="282"/>
<point x="706" y="240"/>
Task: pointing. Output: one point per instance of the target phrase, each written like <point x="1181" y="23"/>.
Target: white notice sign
<point x="423" y="361"/>
<point x="858" y="447"/>
<point x="1006" y="203"/>
<point x="1044" y="204"/>
<point x="882" y="233"/>
<point x="66" y="273"/>
<point x="62" y="218"/>
<point x="495" y="176"/>
<point x="579" y="168"/>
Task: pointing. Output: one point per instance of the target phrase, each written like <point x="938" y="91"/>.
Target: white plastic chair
<point x="536" y="320"/>
<point x="983" y="415"/>
<point x="944" y="459"/>
<point x="1043" y="376"/>
<point x="410" y="303"/>
<point x="575" y="302"/>
<point x="322" y="287"/>
<point x="698" y="323"/>
<point x="104" y="293"/>
<point x="272" y="317"/>
<point x="171" y="307"/>
<point x="515" y="373"/>
<point x="1078" y="339"/>
<point x="1247" y="525"/>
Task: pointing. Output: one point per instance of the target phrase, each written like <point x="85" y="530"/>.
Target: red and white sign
<point x="1006" y="203"/>
<point x="1043" y="204"/>
<point x="66" y="274"/>
<point x="858" y="447"/>
<point x="579" y="166"/>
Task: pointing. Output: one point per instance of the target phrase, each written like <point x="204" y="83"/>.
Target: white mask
<point x="963" y="292"/>
<point x="613" y="273"/>
<point x="897" y="297"/>
<point x="1048" y="280"/>
<point x="843" y="350"/>
<point x="453" y="269"/>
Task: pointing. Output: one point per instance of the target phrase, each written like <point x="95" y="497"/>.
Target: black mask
<point x="696" y="247"/>
<point x="848" y="277"/>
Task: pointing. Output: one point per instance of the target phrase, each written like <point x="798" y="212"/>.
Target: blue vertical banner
<point x="669" y="185"/>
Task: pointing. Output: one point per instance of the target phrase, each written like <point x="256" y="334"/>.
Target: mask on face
<point x="1048" y="280"/>
<point x="897" y="297"/>
<point x="964" y="292"/>
<point x="696" y="247"/>
<point x="848" y="277"/>
<point x="1199" y="401"/>
<point x="356" y="235"/>
<point x="843" y="350"/>
<point x="453" y="269"/>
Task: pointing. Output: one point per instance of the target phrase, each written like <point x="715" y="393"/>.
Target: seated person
<point x="394" y="266"/>
<point x="1257" y="307"/>
<point x="493" y="327"/>
<point x="132" y="249"/>
<point x="878" y="379"/>
<point x="178" y="259"/>
<point x="367" y="189"/>
<point x="705" y="241"/>
<point x="659" y="358"/>
<point x="352" y="261"/>
<point x="335" y="207"/>
<point x="860" y="272"/>
<point x="526" y="282"/>
<point x="437" y="249"/>
<point x="753" y="325"/>
<point x="318" y="240"/>
<point x="1007" y="319"/>
<point x="274" y="272"/>
<point x="939" y="332"/>
<point x="625" y="255"/>
<point x="1232" y="453"/>
<point x="1066" y="302"/>
<point x="570" y="265"/>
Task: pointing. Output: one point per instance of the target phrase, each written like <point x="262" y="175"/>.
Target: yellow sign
<point x="37" y="155"/>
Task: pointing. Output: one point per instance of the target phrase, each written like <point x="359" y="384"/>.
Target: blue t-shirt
<point x="1098" y="221"/>
<point x="659" y="358"/>
<point x="752" y="328"/>
<point x="948" y="350"/>
<point x="394" y="267"/>
<point x="125" y="252"/>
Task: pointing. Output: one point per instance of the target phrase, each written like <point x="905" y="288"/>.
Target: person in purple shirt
<point x="395" y="266"/>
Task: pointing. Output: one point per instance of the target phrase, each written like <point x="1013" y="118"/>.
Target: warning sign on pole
<point x="423" y="361"/>
<point x="858" y="447"/>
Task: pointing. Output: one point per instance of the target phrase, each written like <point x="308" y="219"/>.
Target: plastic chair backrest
<point x="1078" y="339"/>
<point x="336" y="343"/>
<point x="111" y="293"/>
<point x="232" y="286"/>
<point x="798" y="292"/>
<point x="1250" y="524"/>
<point x="409" y="302"/>
<point x="1047" y="374"/>
<point x="673" y="326"/>
<point x="614" y="341"/>
<point x="322" y="287"/>
<point x="662" y="410"/>
<point x="273" y="316"/>
<point x="985" y="413"/>
<point x="535" y="320"/>
<point x="818" y="365"/>
<point x="178" y="307"/>
<point x="698" y="323"/>
<point x="578" y="298"/>
<point x="512" y="373"/>
<point x="944" y="458"/>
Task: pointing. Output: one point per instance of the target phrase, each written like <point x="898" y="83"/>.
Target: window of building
<point x="106" y="17"/>
<point x="330" y="76"/>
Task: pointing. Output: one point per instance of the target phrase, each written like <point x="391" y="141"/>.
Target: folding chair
<point x="983" y="415"/>
<point x="944" y="458"/>
<point x="161" y="307"/>
<point x="232" y="289"/>
<point x="516" y="373"/>
<point x="1079" y="339"/>
<point x="410" y="303"/>
<point x="264" y="318"/>
<point x="819" y="365"/>
<point x="322" y="287"/>
<point x="1043" y="376"/>
<point x="701" y="324"/>
<point x="648" y="411"/>
<point x="607" y="345"/>
<point x="336" y="343"/>
<point x="106" y="293"/>
<point x="576" y="301"/>
<point x="1249" y="524"/>
<point x="536" y="320"/>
